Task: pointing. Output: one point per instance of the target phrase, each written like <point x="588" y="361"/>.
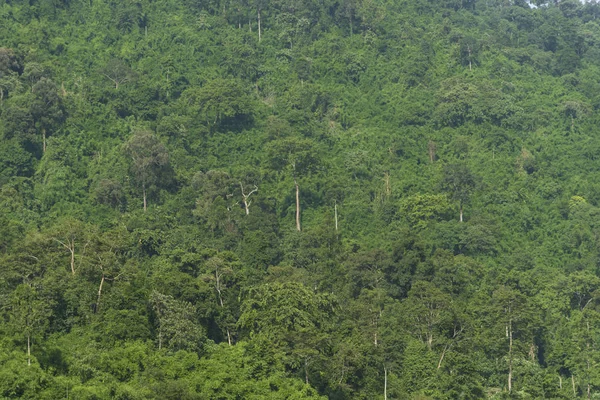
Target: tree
<point x="177" y="328"/>
<point x="513" y="319"/>
<point x="46" y="108"/>
<point x="149" y="161"/>
<point x="288" y="322"/>
<point x="29" y="314"/>
<point x="219" y="100"/>
<point x="459" y="182"/>
<point x="118" y="72"/>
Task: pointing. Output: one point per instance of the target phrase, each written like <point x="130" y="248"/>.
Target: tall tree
<point x="149" y="161"/>
<point x="29" y="314"/>
<point x="46" y="108"/>
<point x="459" y="182"/>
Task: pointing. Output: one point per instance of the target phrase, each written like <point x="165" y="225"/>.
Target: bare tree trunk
<point x="259" y="34"/>
<point x="336" y="216"/>
<point x="460" y="218"/>
<point x="446" y="347"/>
<point x="70" y="245"/>
<point x="384" y="383"/>
<point x="431" y="148"/>
<point x="469" y="50"/>
<point x="306" y="370"/>
<point x="28" y="349"/>
<point x="587" y="360"/>
<point x="510" y="355"/>
<point x="297" y="205"/>
<point x="218" y="288"/>
<point x="559" y="382"/>
<point x="99" y="293"/>
<point x="573" y="384"/>
<point x="43" y="140"/>
<point x="145" y="202"/>
<point x="72" y="250"/>
<point x="245" y="198"/>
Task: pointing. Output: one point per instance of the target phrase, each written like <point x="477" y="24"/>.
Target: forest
<point x="300" y="199"/>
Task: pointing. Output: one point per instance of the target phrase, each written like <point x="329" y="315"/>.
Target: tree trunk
<point x="335" y="214"/>
<point x="259" y="34"/>
<point x="306" y="370"/>
<point x="510" y="346"/>
<point x="28" y="349"/>
<point x="297" y="206"/>
<point x="446" y="347"/>
<point x="384" y="383"/>
<point x="145" y="202"/>
<point x="70" y="245"/>
<point x="469" y="50"/>
<point x="431" y="147"/>
<point x="99" y="294"/>
<point x="245" y="198"/>
<point x="460" y="218"/>
<point x="72" y="250"/>
<point x="573" y="384"/>
<point x="43" y="140"/>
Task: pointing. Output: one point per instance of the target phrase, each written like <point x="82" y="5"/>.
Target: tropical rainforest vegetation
<point x="343" y="199"/>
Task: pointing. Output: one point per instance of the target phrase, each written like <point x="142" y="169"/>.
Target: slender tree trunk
<point x="43" y="140"/>
<point x="259" y="34"/>
<point x="587" y="361"/>
<point x="469" y="50"/>
<point x="446" y="347"/>
<point x="306" y="370"/>
<point x="245" y="198"/>
<point x="72" y="250"/>
<point x="510" y="355"/>
<point x="431" y="148"/>
<point x="573" y="384"/>
<point x="297" y="205"/>
<point x="559" y="382"/>
<point x="145" y="202"/>
<point x="99" y="293"/>
<point x="218" y="288"/>
<point x="460" y="218"/>
<point x="70" y="245"/>
<point x="384" y="383"/>
<point x="336" y="216"/>
<point x="28" y="349"/>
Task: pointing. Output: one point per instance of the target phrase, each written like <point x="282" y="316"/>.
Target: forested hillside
<point x="343" y="199"/>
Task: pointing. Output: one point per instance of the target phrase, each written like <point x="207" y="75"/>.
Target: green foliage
<point x="391" y="120"/>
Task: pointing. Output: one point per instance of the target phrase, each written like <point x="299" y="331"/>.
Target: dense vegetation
<point x="444" y="156"/>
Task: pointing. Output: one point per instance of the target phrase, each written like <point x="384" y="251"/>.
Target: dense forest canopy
<point x="343" y="199"/>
